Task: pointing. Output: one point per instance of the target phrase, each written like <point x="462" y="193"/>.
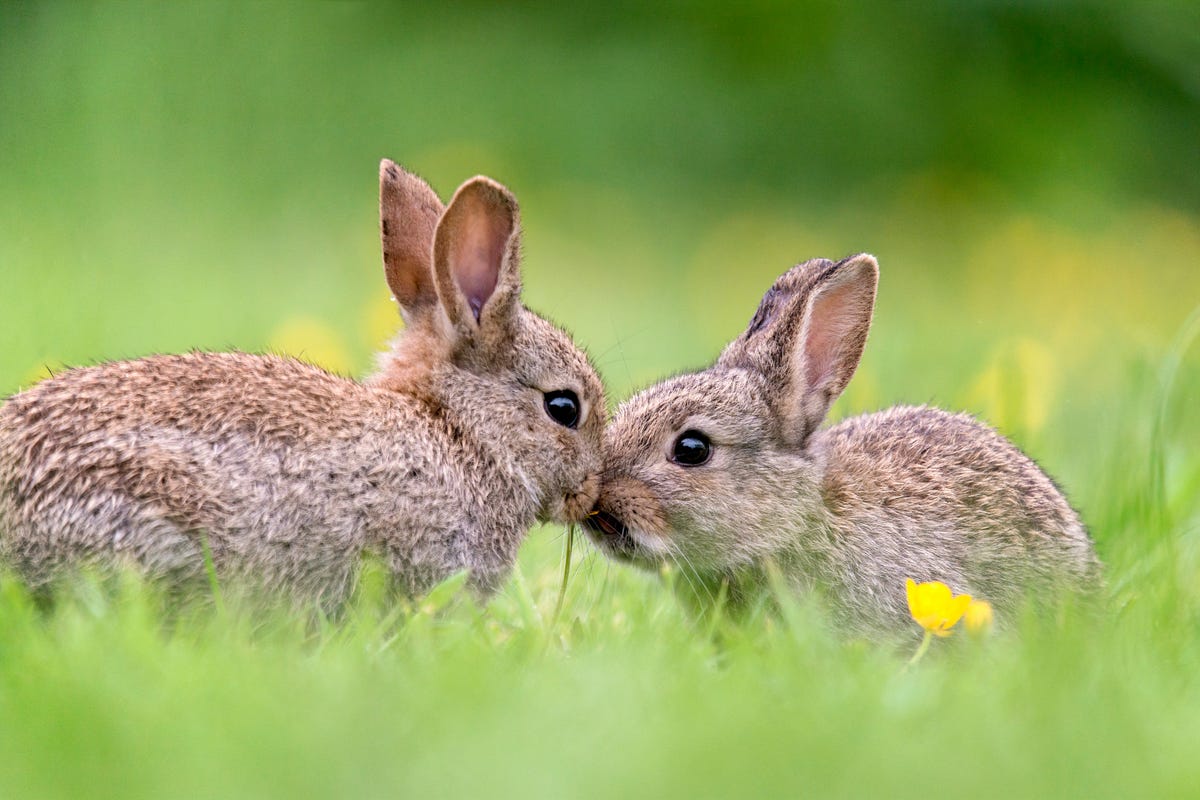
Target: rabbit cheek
<point x="635" y="504"/>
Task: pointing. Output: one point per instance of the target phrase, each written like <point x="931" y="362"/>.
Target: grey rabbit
<point x="482" y="419"/>
<point x="727" y="471"/>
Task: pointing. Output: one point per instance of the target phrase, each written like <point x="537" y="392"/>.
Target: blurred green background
<point x="177" y="176"/>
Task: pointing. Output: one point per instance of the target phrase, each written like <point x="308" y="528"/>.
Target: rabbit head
<point x="700" y="469"/>
<point x="473" y="353"/>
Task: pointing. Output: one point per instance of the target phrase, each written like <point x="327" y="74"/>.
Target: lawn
<point x="179" y="178"/>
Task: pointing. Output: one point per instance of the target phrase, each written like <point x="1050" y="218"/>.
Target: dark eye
<point x="691" y="449"/>
<point x="563" y="407"/>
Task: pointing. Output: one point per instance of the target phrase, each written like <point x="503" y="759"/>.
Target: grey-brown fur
<point x="439" y="462"/>
<point x="852" y="510"/>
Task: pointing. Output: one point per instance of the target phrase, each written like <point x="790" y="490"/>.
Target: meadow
<point x="205" y="177"/>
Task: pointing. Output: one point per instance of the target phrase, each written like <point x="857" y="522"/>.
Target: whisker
<point x="620" y="346"/>
<point x="694" y="579"/>
<point x="604" y="583"/>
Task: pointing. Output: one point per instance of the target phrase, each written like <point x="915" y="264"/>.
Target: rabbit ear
<point x="807" y="338"/>
<point x="476" y="254"/>
<point x="408" y="216"/>
<point x="837" y="319"/>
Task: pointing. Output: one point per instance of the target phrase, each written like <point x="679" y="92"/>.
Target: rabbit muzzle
<point x="627" y="522"/>
<point x="573" y="506"/>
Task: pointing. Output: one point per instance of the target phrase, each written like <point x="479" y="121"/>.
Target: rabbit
<point x="482" y="418"/>
<point x="725" y="472"/>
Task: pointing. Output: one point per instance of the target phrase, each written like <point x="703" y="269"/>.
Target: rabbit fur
<point x="288" y="474"/>
<point x="849" y="512"/>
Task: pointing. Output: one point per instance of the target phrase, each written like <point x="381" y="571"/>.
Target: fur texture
<point x="438" y="463"/>
<point x="851" y="511"/>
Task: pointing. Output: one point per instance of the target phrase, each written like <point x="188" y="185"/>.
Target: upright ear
<point x="408" y="215"/>
<point x="836" y="322"/>
<point x="807" y="338"/>
<point x="476" y="254"/>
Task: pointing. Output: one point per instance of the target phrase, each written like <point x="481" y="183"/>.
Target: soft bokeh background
<point x="184" y="176"/>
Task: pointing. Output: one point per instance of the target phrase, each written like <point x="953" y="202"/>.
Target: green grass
<point x="107" y="696"/>
<point x="174" y="177"/>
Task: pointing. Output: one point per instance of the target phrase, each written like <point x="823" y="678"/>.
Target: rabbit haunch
<point x="850" y="511"/>
<point x="438" y="463"/>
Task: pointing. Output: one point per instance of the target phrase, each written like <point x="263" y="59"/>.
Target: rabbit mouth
<point x="612" y="534"/>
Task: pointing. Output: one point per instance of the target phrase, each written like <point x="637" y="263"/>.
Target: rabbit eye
<point x="692" y="449"/>
<point x="563" y="407"/>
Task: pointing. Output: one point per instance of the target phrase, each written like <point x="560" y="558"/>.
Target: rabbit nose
<point x="577" y="503"/>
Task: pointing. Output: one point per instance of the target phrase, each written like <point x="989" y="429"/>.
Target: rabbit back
<point x="284" y="471"/>
<point x="921" y="493"/>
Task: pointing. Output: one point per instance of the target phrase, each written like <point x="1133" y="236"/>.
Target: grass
<point x="107" y="696"/>
<point x="213" y="186"/>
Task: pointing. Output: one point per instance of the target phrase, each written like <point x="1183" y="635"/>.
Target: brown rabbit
<point x="482" y="419"/>
<point x="725" y="471"/>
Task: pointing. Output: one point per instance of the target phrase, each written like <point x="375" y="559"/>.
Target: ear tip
<point x="491" y="191"/>
<point x="394" y="179"/>
<point x="864" y="263"/>
<point x="389" y="171"/>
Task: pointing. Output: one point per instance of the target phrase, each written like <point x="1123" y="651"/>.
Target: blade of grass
<point x="210" y="568"/>
<point x="1168" y="373"/>
<point x="566" y="574"/>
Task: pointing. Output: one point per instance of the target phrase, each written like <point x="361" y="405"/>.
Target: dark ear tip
<point x="390" y="171"/>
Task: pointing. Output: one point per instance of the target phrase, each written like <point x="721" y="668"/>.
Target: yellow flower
<point x="978" y="618"/>
<point x="934" y="606"/>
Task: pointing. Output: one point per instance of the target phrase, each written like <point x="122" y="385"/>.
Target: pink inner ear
<point x="837" y="328"/>
<point x="477" y="252"/>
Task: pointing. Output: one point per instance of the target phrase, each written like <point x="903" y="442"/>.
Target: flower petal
<point x="914" y="601"/>
<point x="955" y="609"/>
<point x="930" y="622"/>
<point x="979" y="616"/>
<point x="938" y="593"/>
<point x="934" y="606"/>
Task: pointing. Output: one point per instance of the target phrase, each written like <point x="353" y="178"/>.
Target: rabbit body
<point x="726" y="471"/>
<point x="921" y="493"/>
<point x="288" y="474"/>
